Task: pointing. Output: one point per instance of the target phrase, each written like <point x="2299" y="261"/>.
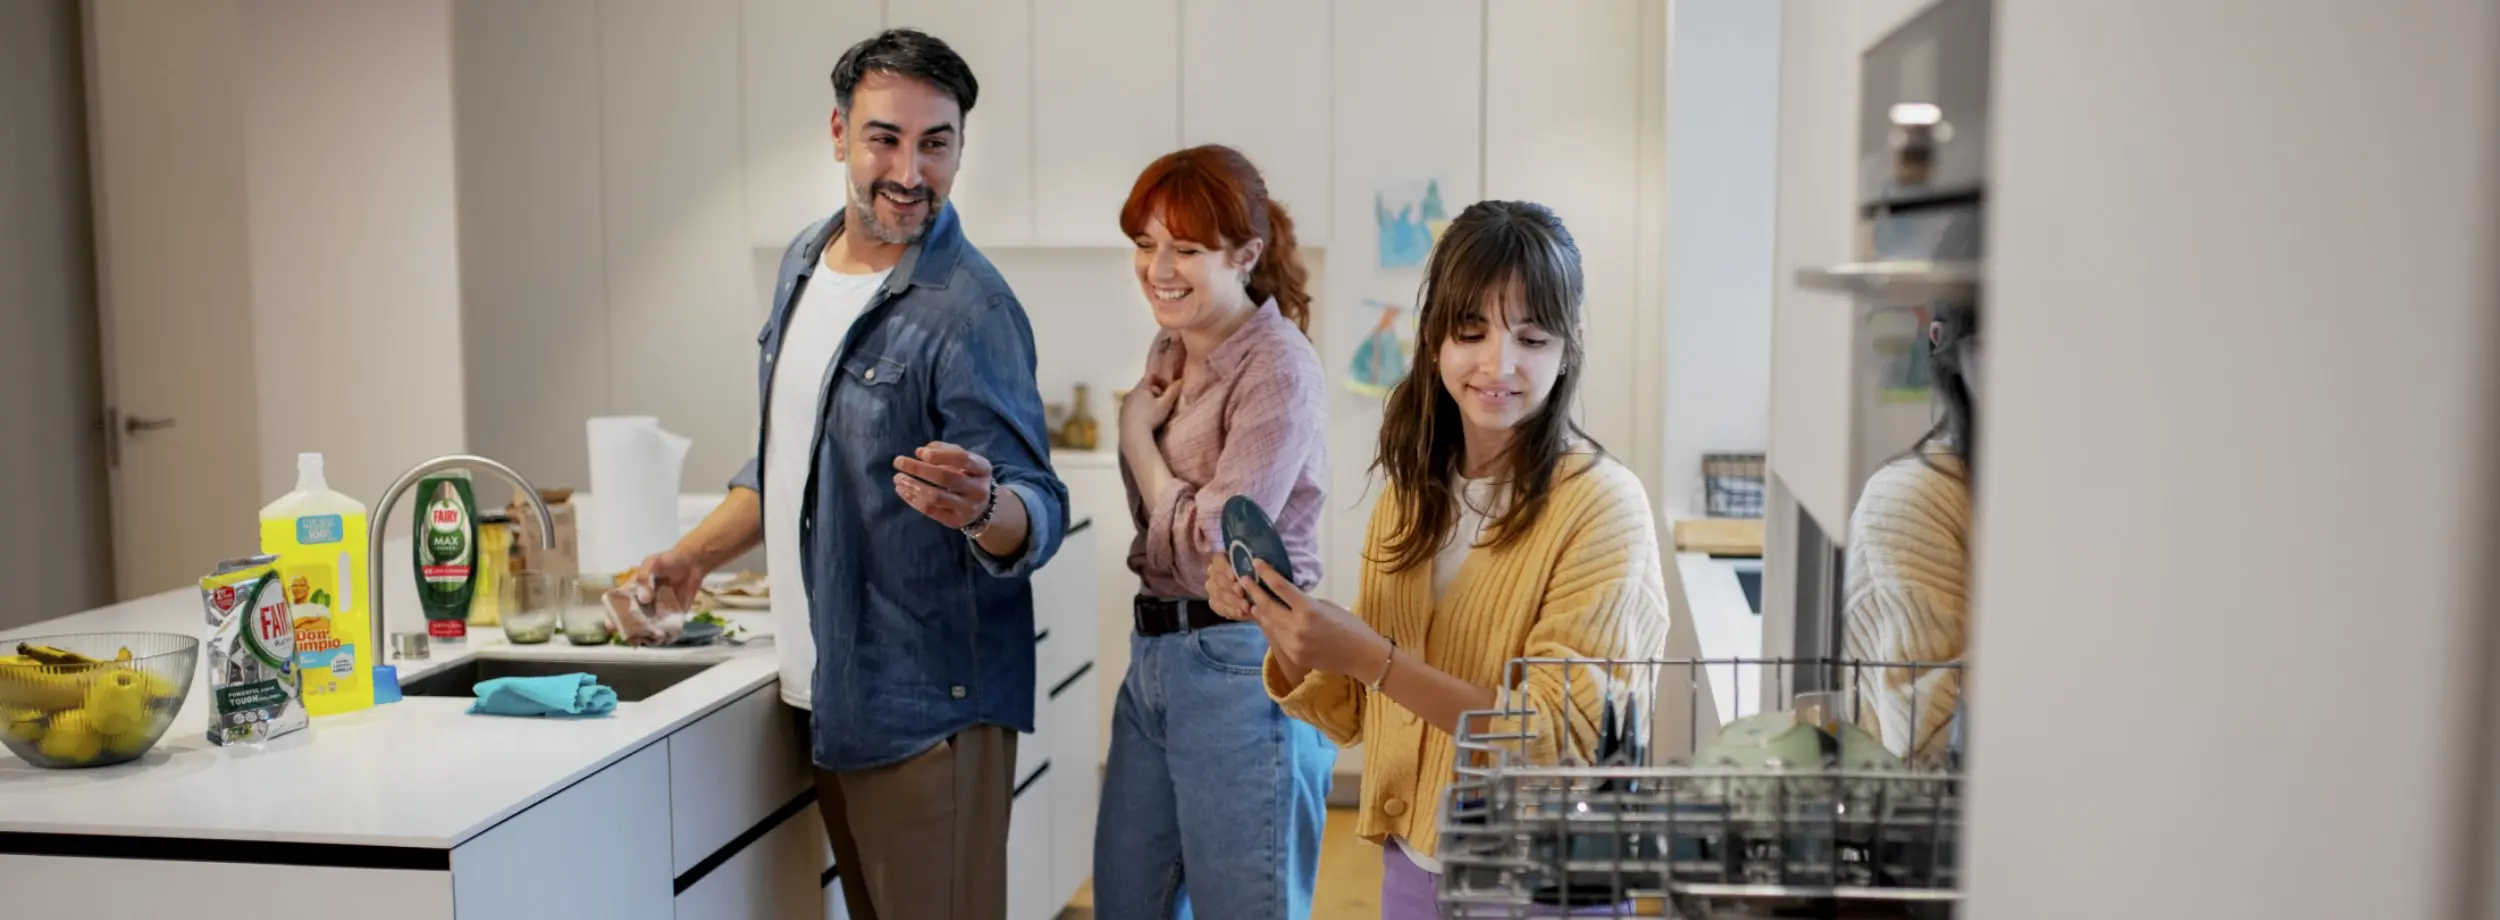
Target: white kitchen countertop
<point x="421" y="772"/>
<point x="416" y="773"/>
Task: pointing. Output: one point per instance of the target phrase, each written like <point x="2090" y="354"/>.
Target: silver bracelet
<point x="1386" y="665"/>
<point x="981" y="524"/>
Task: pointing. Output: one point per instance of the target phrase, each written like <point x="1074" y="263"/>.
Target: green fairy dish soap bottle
<point x="446" y="554"/>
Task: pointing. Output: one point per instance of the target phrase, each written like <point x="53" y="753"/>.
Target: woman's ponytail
<point x="1279" y="273"/>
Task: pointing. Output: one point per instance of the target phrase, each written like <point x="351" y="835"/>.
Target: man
<point x="903" y="492"/>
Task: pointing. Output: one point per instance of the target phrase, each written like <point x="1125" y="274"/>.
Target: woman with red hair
<point x="1213" y="800"/>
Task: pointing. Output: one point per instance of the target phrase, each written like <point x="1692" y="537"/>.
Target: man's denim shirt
<point x="919" y="633"/>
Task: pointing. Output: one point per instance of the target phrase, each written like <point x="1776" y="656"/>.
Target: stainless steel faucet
<point x="390" y="498"/>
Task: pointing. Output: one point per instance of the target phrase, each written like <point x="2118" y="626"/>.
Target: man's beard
<point x="865" y="200"/>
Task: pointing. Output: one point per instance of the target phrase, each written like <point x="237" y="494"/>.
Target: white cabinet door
<point x="1064" y="606"/>
<point x="71" y="886"/>
<point x="994" y="191"/>
<point x="610" y="827"/>
<point x="1577" y="152"/>
<point x="791" y="46"/>
<point x="1256" y="76"/>
<point x="778" y="877"/>
<point x="1028" y="843"/>
<point x="732" y="770"/>
<point x="1094" y="489"/>
<point x="1075" y="789"/>
<point x="1104" y="107"/>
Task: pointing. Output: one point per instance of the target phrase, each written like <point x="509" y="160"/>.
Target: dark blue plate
<point x="1249" y="535"/>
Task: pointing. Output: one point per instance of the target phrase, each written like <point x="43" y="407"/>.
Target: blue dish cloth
<point x="557" y="695"/>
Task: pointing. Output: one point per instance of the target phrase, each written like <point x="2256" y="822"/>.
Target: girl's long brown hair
<point x="1493" y="248"/>
<point x="1212" y="196"/>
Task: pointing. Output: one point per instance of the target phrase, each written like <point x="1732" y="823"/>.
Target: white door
<point x="174" y="286"/>
<point x="53" y="542"/>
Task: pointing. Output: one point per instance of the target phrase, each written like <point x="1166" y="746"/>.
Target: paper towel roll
<point x="634" y="471"/>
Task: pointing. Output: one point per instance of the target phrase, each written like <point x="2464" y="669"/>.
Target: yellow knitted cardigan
<point x="1585" y="582"/>
<point x="1908" y="568"/>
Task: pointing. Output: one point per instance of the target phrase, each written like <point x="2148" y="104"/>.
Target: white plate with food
<point x="740" y="590"/>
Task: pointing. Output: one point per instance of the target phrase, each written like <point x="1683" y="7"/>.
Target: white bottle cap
<point x="308" y="476"/>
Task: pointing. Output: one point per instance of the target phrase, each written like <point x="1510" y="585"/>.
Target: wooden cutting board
<point x="1719" y="536"/>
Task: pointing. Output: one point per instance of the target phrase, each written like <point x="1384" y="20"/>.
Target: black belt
<point x="1157" y="616"/>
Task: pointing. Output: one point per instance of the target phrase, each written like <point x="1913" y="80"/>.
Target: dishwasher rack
<point x="1622" y="828"/>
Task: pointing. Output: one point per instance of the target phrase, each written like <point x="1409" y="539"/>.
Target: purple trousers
<point x="1407" y="892"/>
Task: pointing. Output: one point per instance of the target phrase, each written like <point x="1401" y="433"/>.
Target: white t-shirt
<point x="1479" y="502"/>
<point x="809" y="340"/>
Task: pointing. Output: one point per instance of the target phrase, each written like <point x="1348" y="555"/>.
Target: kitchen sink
<point x="633" y="681"/>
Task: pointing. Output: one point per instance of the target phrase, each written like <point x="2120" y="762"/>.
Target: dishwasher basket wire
<point x="1607" y="815"/>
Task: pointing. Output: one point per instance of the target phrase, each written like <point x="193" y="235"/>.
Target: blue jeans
<point x="1213" y="798"/>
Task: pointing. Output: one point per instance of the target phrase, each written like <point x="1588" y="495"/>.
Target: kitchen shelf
<point x="1901" y="279"/>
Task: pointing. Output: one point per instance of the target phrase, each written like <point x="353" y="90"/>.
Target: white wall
<point x="354" y="261"/>
<point x="53" y="542"/>
<point x="2241" y="323"/>
<point x="1722" y="168"/>
<point x="533" y="260"/>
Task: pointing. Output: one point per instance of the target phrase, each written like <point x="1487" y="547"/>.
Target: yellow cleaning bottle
<point x="319" y="539"/>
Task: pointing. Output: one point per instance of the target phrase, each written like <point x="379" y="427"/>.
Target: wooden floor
<point x="1349" y="877"/>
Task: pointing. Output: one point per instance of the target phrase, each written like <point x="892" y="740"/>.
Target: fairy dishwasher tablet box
<point x="254" y="694"/>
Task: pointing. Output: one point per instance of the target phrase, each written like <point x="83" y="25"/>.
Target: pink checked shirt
<point x="1253" y="423"/>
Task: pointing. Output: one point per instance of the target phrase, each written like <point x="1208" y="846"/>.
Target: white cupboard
<point x="1051" y="831"/>
<point x="1257" y="77"/>
<point x="780" y="875"/>
<point x="1094" y="488"/>
<point x="1104" y="107"/>
<point x="612" y="826"/>
<point x="791" y="179"/>
<point x="994" y="192"/>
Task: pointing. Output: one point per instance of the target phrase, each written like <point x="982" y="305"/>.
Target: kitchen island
<point x="694" y="802"/>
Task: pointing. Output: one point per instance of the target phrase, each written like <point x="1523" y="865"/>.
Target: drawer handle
<point x="1063" y="685"/>
<point x="1029" y="780"/>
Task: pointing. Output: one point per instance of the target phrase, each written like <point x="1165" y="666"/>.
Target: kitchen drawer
<point x="609" y="827"/>
<point x="776" y="877"/>
<point x="1075" y="786"/>
<point x="1065" y="611"/>
<point x="730" y="770"/>
<point x="1030" y="866"/>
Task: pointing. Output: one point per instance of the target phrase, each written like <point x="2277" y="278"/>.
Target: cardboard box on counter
<point x="528" y="555"/>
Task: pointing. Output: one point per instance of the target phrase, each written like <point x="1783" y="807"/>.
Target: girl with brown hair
<point x="1505" y="532"/>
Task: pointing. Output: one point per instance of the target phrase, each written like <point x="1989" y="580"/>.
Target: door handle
<point x="135" y="424"/>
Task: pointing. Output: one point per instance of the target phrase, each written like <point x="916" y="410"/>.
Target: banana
<point x="21" y="723"/>
<point x="45" y="654"/>
<point x="40" y="688"/>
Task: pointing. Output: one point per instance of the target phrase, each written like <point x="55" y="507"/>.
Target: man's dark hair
<point x="908" y="52"/>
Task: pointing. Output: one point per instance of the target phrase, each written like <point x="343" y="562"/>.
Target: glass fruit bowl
<point x="92" y="699"/>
